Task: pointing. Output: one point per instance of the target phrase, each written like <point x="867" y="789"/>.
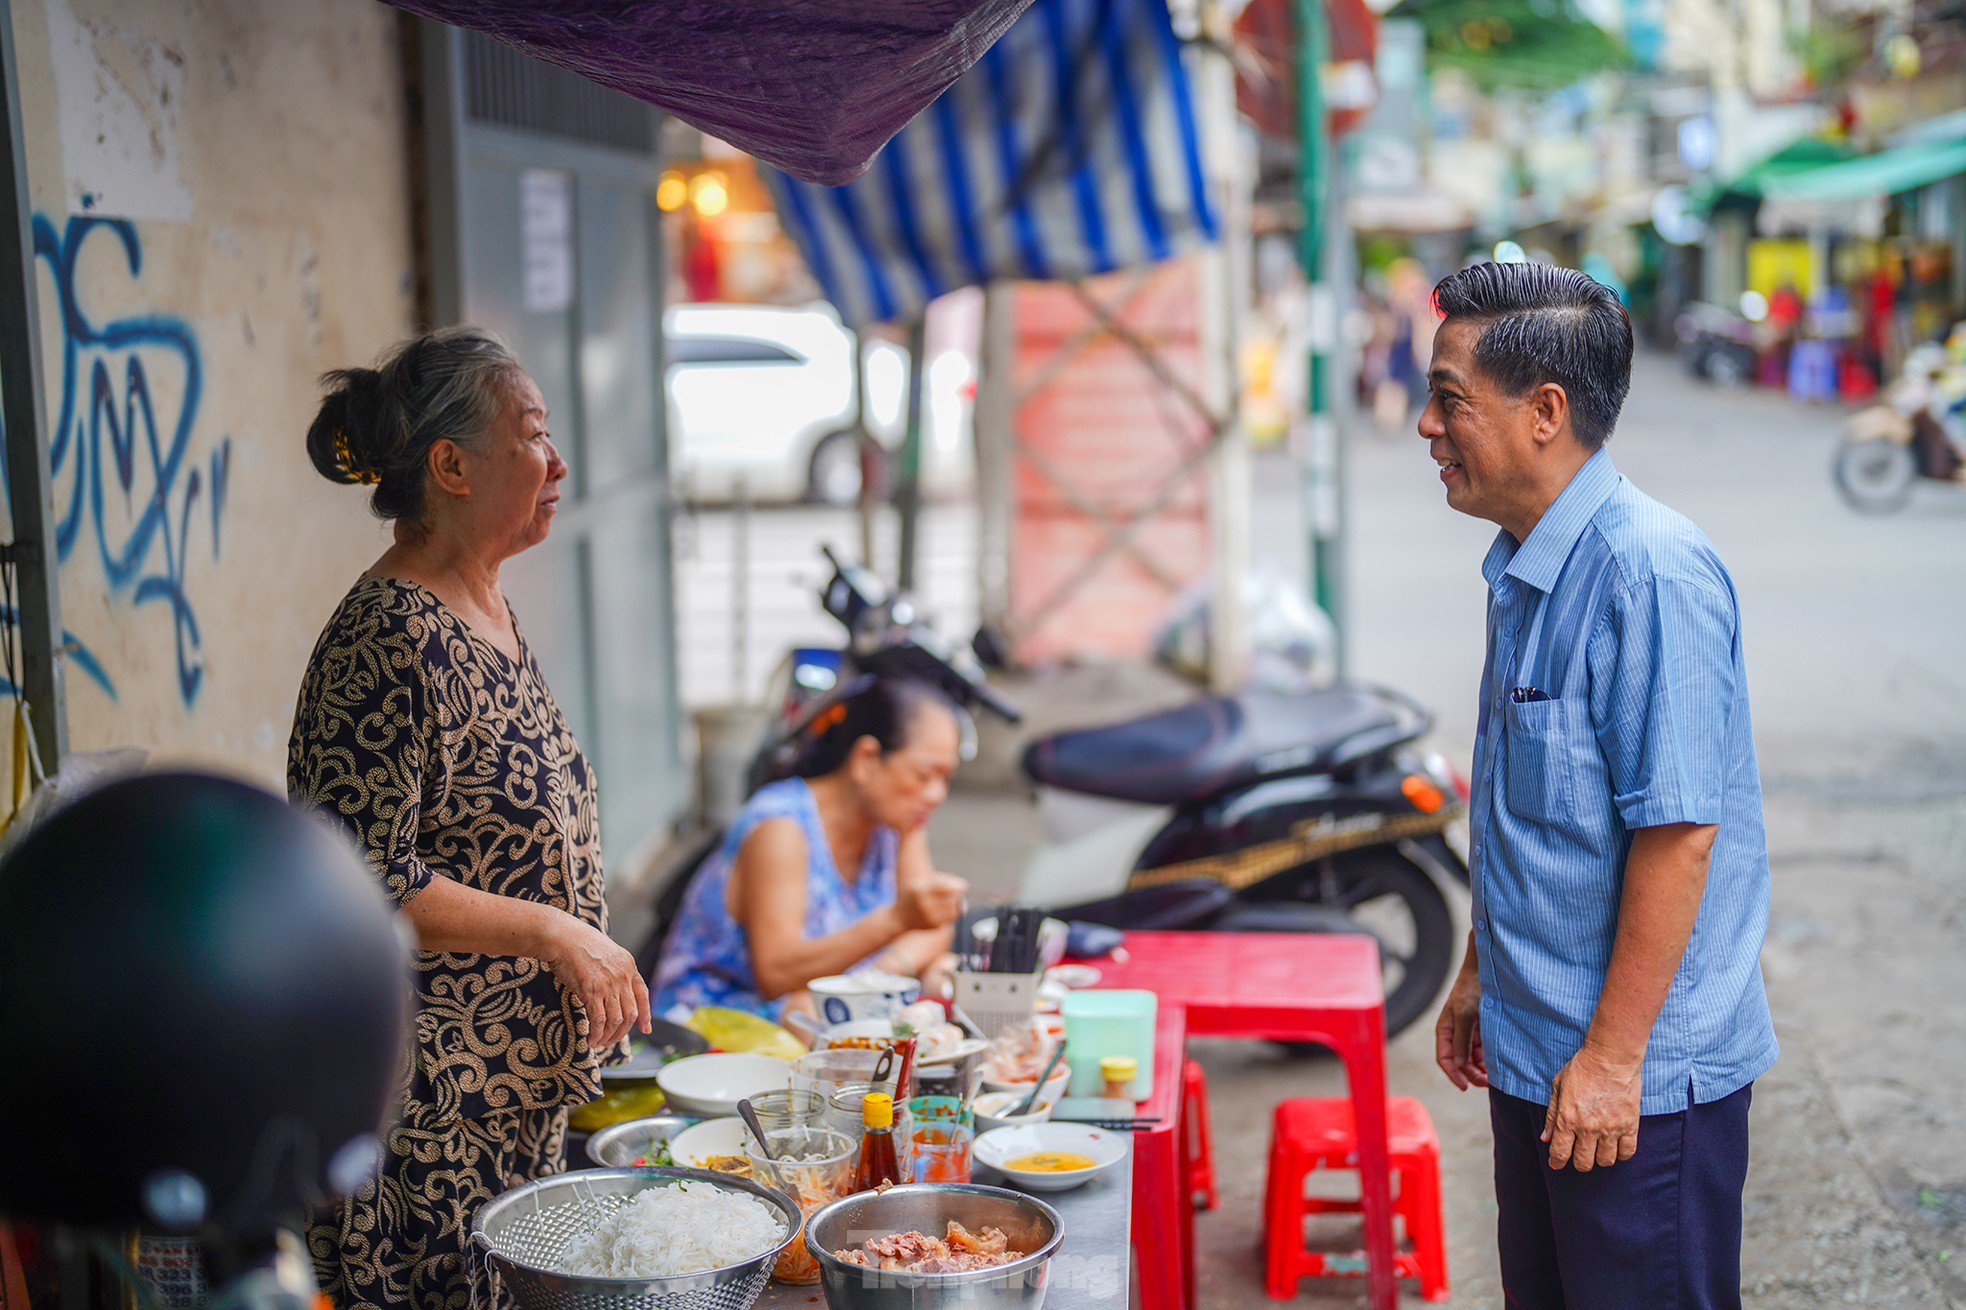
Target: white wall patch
<point x="117" y="99"/>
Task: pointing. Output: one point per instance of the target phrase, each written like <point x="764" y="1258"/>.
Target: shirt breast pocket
<point x="1543" y="761"/>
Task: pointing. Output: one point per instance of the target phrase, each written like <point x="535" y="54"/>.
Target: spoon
<point x="749" y="1114"/>
<point x="1032" y="1100"/>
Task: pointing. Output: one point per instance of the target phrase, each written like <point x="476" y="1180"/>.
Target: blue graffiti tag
<point x="107" y="426"/>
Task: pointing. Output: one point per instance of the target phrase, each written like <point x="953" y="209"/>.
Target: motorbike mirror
<point x="989" y="648"/>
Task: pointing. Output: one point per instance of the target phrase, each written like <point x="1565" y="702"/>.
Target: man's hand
<point x="1593" y="1115"/>
<point x="1457" y="1034"/>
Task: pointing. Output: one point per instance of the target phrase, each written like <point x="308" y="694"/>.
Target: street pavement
<point x="1856" y="653"/>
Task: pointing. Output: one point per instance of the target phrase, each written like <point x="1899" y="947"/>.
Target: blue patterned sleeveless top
<point x="707" y="960"/>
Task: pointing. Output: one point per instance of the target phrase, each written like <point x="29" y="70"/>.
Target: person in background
<point x="828" y="871"/>
<point x="1785" y="311"/>
<point x="425" y="729"/>
<point x="1611" y="999"/>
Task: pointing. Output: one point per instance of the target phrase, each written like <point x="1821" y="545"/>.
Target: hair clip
<point x="366" y="477"/>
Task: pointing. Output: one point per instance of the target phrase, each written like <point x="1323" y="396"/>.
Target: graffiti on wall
<point x="126" y="484"/>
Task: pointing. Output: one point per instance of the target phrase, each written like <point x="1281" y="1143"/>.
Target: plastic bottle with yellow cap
<point x="1117" y="1074"/>
<point x="878" y="1161"/>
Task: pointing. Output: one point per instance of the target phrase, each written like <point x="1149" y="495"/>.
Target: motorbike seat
<point x="1204" y="748"/>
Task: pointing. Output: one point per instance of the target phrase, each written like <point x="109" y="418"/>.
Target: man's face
<point x="1482" y="439"/>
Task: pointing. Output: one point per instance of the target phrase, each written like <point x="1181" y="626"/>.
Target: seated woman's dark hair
<point x="884" y="709"/>
<point x="376" y="426"/>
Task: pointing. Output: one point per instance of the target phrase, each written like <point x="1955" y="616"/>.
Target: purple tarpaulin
<point x="813" y="86"/>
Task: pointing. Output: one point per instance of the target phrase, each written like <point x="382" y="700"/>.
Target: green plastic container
<point x="1099" y="1023"/>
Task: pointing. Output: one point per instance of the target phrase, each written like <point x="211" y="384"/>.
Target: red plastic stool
<point x="1201" y="1150"/>
<point x="1313" y="1133"/>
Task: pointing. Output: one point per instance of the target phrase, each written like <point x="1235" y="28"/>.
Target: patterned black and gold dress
<point x="444" y="758"/>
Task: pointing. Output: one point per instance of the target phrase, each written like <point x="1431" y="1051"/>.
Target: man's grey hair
<point x="1539" y="324"/>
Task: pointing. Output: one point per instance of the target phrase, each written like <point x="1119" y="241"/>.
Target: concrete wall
<point x="222" y="203"/>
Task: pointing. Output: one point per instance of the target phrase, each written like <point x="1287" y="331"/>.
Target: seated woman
<point x="829" y="871"/>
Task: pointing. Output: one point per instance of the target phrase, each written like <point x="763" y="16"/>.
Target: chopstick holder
<point x="991" y="1002"/>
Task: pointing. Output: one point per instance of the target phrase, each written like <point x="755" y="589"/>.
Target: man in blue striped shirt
<point x="1611" y="999"/>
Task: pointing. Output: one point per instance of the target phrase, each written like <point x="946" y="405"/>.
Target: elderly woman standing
<point x="425" y="727"/>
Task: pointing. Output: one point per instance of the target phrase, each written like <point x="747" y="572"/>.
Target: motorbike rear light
<point x="1420" y="790"/>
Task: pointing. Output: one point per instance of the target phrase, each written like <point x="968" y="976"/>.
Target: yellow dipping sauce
<point x="1049" y="1162"/>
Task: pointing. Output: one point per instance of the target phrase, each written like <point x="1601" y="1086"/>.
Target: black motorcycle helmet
<point x="204" y="1005"/>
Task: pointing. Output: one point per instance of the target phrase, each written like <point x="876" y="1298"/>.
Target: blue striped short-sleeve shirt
<point x="1614" y="697"/>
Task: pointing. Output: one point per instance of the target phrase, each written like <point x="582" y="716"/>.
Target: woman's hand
<point x="602" y="977"/>
<point x="931" y="902"/>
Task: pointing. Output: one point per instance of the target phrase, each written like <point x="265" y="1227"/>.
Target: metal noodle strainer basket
<point x="525" y="1232"/>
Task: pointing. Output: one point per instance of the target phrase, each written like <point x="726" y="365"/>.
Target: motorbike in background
<point x="1266" y="811"/>
<point x="1716" y="345"/>
<point x="1917" y="432"/>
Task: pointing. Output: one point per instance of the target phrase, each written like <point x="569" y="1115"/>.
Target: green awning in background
<point x="1798" y="157"/>
<point x="1886" y="173"/>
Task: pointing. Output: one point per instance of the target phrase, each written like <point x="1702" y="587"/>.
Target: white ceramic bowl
<point x="846" y="997"/>
<point x="693" y="1147"/>
<point x="993" y="1110"/>
<point x="999" y="1147"/>
<point x="1054" y="1086"/>
<point x="710" y="1086"/>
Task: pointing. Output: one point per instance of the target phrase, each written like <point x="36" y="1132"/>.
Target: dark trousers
<point x="1661" y="1231"/>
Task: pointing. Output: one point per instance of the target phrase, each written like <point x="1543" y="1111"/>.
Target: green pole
<point x="1314" y="190"/>
<point x="908" y="490"/>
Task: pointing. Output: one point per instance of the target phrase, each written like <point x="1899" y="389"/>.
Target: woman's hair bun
<point x="376" y="425"/>
<point x="342" y="439"/>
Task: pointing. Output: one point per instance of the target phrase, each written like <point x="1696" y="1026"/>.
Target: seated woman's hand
<point x="602" y="976"/>
<point x="932" y="902"/>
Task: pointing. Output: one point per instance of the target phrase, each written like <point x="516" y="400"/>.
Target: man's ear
<point x="1549" y="407"/>
<point x="446" y="468"/>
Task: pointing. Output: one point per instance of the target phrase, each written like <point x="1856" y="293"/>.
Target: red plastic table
<point x="1286" y="987"/>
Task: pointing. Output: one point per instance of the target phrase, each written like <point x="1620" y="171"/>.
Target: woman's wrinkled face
<point x="902" y="788"/>
<point x="516" y="477"/>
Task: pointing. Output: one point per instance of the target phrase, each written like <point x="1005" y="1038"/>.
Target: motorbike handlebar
<point x="904" y="646"/>
<point x="996" y="704"/>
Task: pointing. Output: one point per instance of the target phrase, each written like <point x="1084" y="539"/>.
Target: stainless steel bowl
<point x="1030" y="1224"/>
<point x="524" y="1233"/>
<point x="618" y="1146"/>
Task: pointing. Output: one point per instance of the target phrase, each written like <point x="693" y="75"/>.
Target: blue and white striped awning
<point x="1070" y="149"/>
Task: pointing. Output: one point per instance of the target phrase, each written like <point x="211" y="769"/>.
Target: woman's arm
<point x="914" y="953"/>
<point x="767" y="896"/>
<point x="448" y="916"/>
<point x="912" y="865"/>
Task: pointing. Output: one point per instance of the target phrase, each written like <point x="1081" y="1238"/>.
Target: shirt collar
<point x="1541" y="556"/>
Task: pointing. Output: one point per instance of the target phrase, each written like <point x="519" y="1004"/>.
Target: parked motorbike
<point x="1916" y="432"/>
<point x="1716" y="345"/>
<point x="1309" y="811"/>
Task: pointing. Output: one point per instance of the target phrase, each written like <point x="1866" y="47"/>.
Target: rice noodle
<point x="687" y="1228"/>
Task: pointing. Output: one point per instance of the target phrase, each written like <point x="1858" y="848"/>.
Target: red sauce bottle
<point x="878" y="1162"/>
